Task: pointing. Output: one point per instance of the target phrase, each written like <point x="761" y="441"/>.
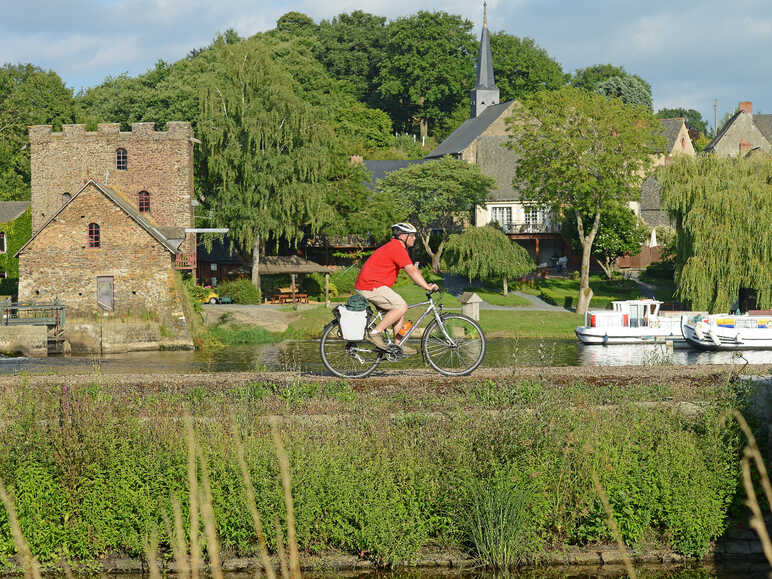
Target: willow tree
<point x="487" y="254"/>
<point x="582" y="152"/>
<point x="722" y="209"/>
<point x="264" y="153"/>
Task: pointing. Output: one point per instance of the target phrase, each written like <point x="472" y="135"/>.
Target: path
<point x="456" y="284"/>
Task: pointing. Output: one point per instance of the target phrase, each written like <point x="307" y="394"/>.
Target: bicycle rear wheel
<point x="347" y="359"/>
<point x="462" y="353"/>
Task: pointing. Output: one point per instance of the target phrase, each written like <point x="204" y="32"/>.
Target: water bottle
<point x="405" y="327"/>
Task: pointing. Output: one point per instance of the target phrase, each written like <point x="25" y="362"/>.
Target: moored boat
<point x="729" y="332"/>
<point x="630" y="322"/>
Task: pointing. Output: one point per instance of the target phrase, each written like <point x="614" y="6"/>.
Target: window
<point x="532" y="215"/>
<point x="2" y="241"/>
<point x="121" y="159"/>
<point x="3" y="274"/>
<point x="93" y="235"/>
<point x="501" y="215"/>
<point x="144" y="202"/>
<point x="65" y="198"/>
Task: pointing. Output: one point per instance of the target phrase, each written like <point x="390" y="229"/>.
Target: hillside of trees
<point x="363" y="85"/>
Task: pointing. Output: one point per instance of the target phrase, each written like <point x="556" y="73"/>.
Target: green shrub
<point x="242" y="291"/>
<point x="345" y="279"/>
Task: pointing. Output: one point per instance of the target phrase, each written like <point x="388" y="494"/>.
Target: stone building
<point x="110" y="211"/>
<point x="743" y="133"/>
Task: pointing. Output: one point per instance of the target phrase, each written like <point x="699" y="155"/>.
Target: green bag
<point x="357" y="303"/>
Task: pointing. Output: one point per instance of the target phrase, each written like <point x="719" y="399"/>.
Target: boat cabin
<point x="624" y="314"/>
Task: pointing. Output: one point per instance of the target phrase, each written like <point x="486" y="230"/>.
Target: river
<point x="304" y="356"/>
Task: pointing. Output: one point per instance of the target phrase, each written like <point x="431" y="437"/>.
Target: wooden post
<point x="293" y="287"/>
<point x="327" y="290"/>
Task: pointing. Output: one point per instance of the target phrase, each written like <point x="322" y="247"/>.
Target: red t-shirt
<point x="383" y="265"/>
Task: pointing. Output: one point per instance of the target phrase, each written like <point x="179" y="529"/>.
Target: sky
<point x="691" y="52"/>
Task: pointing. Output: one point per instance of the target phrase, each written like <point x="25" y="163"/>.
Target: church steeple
<point x="485" y="92"/>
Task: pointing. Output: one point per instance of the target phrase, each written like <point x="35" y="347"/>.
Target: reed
<point x="612" y="523"/>
<point x="193" y="495"/>
<point x="210" y="526"/>
<point x="292" y="544"/>
<point x="251" y="502"/>
<point x="177" y="539"/>
<point x="28" y="561"/>
<point x="151" y="554"/>
<point x="751" y="452"/>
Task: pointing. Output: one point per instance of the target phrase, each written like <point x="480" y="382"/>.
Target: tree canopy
<point x="427" y="67"/>
<point x="521" y="67"/>
<point x="620" y="233"/>
<point x="723" y="215"/>
<point x="631" y="90"/>
<point x="581" y="152"/>
<point x="437" y="195"/>
<point x="264" y="153"/>
<point x="486" y="253"/>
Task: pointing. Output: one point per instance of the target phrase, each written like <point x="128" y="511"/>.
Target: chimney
<point x="746" y="107"/>
<point x="744" y="147"/>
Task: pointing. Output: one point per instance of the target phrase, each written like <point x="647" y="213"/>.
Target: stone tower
<point x="485" y="93"/>
<point x="150" y="168"/>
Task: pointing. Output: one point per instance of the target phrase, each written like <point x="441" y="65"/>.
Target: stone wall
<point x="159" y="162"/>
<point x="113" y="336"/>
<point x="58" y="264"/>
<point x="29" y="341"/>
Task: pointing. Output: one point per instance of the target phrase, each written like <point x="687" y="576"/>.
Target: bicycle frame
<point x="433" y="308"/>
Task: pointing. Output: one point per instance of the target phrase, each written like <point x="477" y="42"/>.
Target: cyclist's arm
<point x="415" y="274"/>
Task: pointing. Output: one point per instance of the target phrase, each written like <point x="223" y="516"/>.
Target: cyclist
<point x="379" y="273"/>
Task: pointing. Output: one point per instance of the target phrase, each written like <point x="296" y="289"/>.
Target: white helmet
<point x="403" y="227"/>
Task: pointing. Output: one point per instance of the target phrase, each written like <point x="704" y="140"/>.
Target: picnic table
<point x="287" y="296"/>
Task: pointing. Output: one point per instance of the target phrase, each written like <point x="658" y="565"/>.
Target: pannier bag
<point x="352" y="324"/>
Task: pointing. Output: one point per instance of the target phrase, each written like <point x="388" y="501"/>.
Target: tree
<point x="437" y="195"/>
<point x="631" y="90"/>
<point x="581" y="152"/>
<point x="350" y="47"/>
<point x="296" y="24"/>
<point x="427" y="67"/>
<point x="589" y="78"/>
<point x="620" y="233"/>
<point x="263" y="154"/>
<point x="521" y="67"/>
<point x="486" y="253"/>
<point x="723" y="215"/>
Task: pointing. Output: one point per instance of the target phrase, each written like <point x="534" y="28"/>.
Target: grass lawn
<point x="498" y="299"/>
<point x="565" y="291"/>
<point x="529" y="323"/>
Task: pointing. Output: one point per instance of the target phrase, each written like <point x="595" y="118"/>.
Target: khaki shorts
<point x="383" y="297"/>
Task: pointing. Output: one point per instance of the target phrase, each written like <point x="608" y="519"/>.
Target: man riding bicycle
<point x="379" y="273"/>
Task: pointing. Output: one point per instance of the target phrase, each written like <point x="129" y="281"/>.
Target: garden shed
<point x="294" y="265"/>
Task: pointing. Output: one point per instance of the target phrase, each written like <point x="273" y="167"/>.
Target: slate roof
<point x="764" y="124"/>
<point x="11" y="210"/>
<point x="469" y="130"/>
<point x="170" y="244"/>
<point x="722" y="132"/>
<point x="672" y="127"/>
<point x="484" y="67"/>
<point x="279" y="264"/>
<point x="379" y="169"/>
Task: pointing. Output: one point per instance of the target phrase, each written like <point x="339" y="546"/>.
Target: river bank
<point x="385" y="468"/>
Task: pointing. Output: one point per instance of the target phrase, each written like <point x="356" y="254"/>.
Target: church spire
<point x="485" y="92"/>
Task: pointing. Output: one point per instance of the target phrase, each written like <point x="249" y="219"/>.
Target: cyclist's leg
<point x="394" y="304"/>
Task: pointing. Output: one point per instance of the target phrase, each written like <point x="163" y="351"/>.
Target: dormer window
<point x="143" y="202"/>
<point x="121" y="159"/>
<point x="94" y="239"/>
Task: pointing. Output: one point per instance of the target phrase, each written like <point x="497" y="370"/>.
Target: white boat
<point x="630" y="322"/>
<point x="729" y="332"/>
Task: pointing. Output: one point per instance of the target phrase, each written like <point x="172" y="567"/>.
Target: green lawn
<point x="529" y="323"/>
<point x="498" y="299"/>
<point x="564" y="291"/>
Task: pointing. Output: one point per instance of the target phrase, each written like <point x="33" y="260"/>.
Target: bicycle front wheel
<point x="458" y="350"/>
<point x="347" y="359"/>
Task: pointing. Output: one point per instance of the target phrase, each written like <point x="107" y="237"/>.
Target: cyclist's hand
<point x="433" y="287"/>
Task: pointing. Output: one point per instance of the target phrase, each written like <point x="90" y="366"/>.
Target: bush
<point x="313" y="285"/>
<point x="345" y="279"/>
<point x="241" y="291"/>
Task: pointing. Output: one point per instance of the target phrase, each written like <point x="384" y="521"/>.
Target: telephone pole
<point x="715" y="117"/>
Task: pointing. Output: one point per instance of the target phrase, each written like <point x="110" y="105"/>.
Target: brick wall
<point x="160" y="162"/>
<point x="58" y="264"/>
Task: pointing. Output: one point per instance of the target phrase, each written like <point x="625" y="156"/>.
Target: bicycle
<point x="453" y="344"/>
